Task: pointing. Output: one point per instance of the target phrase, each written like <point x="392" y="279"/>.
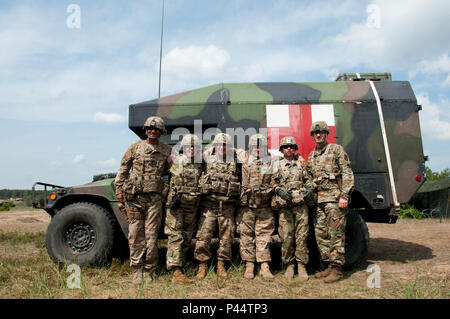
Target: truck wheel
<point x="356" y="239"/>
<point x="81" y="233"/>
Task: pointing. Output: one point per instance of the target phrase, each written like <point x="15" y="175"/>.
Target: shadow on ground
<point x="397" y="250"/>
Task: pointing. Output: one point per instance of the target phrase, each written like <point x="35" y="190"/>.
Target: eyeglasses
<point x="150" y="128"/>
<point x="289" y="146"/>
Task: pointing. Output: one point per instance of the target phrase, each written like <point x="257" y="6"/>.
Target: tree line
<point x="25" y="194"/>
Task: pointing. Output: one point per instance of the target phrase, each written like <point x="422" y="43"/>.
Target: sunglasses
<point x="289" y="146"/>
<point x="147" y="128"/>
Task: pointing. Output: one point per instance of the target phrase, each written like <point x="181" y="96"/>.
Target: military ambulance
<point x="375" y="119"/>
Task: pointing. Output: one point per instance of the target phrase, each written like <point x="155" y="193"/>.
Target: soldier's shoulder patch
<point x="127" y="154"/>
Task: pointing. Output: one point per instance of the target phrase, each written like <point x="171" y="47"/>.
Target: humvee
<point x="374" y="118"/>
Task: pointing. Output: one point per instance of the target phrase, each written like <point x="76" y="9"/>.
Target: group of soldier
<point x="235" y="191"/>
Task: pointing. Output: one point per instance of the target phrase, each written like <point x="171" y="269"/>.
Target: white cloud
<point x="409" y="31"/>
<point x="78" y="158"/>
<point x="439" y="65"/>
<point x="447" y="81"/>
<point x="108" y="163"/>
<point x="194" y="61"/>
<point x="435" y="121"/>
<point x="109" y="117"/>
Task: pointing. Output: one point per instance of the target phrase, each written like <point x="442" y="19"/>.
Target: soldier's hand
<point x="302" y="160"/>
<point x="208" y="152"/>
<point x="286" y="195"/>
<point x="175" y="203"/>
<point x="119" y="198"/>
<point x="343" y="203"/>
<point x="307" y="193"/>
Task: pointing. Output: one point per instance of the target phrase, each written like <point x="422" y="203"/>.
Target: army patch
<point x="127" y="154"/>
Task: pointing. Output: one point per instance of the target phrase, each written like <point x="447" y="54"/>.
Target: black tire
<point x="81" y="233"/>
<point x="356" y="240"/>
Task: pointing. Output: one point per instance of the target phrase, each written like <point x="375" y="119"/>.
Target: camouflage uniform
<point x="333" y="179"/>
<point x="220" y="187"/>
<point x="258" y="221"/>
<point x="142" y="191"/>
<point x="293" y="215"/>
<point x="181" y="222"/>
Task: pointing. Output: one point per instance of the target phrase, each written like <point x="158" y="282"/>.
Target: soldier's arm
<point x="348" y="181"/>
<point x="309" y="173"/>
<point x="307" y="179"/>
<point x="124" y="169"/>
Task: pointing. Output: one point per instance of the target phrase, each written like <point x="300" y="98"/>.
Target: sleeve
<point x="348" y="181"/>
<point x="276" y="176"/>
<point x="309" y="179"/>
<point x="124" y="170"/>
<point x="244" y="173"/>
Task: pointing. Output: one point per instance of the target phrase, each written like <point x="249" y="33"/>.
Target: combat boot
<point x="249" y="270"/>
<point x="147" y="275"/>
<point x="265" y="271"/>
<point x="201" y="272"/>
<point x="335" y="275"/>
<point x="137" y="274"/>
<point x="302" y="274"/>
<point x="289" y="273"/>
<point x="179" y="277"/>
<point x="323" y="273"/>
<point x="221" y="271"/>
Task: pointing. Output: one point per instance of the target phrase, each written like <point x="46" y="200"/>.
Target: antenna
<point x="160" y="50"/>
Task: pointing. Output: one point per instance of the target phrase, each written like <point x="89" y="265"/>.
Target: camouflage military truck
<point x="374" y="118"/>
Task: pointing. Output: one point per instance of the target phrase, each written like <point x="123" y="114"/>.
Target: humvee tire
<point x="81" y="233"/>
<point x="356" y="240"/>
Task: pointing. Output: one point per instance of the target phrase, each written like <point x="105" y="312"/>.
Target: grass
<point x="26" y="271"/>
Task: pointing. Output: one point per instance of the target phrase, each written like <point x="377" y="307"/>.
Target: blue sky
<point x="65" y="92"/>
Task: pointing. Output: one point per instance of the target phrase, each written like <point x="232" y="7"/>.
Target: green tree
<point x="434" y="176"/>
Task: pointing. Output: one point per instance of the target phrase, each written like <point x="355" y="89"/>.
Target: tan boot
<point x="249" y="270"/>
<point x="147" y="275"/>
<point x="201" y="273"/>
<point x="302" y="274"/>
<point x="137" y="274"/>
<point x="323" y="273"/>
<point x="265" y="271"/>
<point x="336" y="274"/>
<point x="179" y="277"/>
<point x="221" y="271"/>
<point x="289" y="273"/>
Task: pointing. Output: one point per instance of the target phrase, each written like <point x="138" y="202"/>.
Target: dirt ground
<point x="24" y="221"/>
<point x="408" y="252"/>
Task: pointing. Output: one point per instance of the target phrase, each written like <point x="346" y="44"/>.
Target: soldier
<point x="182" y="204"/>
<point x="333" y="180"/>
<point x="141" y="191"/>
<point x="289" y="199"/>
<point x="258" y="221"/>
<point x="220" y="185"/>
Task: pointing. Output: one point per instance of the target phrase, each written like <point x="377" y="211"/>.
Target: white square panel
<point x="323" y="112"/>
<point x="277" y="115"/>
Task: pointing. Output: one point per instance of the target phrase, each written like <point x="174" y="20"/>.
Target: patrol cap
<point x="288" y="140"/>
<point x="157" y="122"/>
<point x="222" y="138"/>
<point x="190" y="139"/>
<point x="257" y="140"/>
<point x="319" y="126"/>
